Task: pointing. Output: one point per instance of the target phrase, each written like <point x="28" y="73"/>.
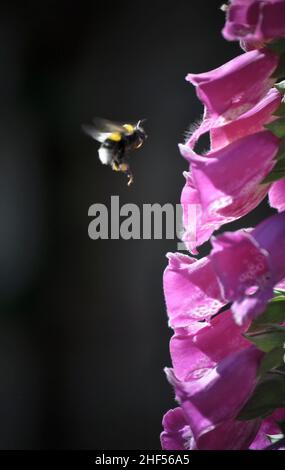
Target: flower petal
<point x="191" y="290"/>
<point x="226" y="182"/>
<point x="249" y="265"/>
<point x="255" y="21"/>
<point x="230" y="435"/>
<point x="195" y="352"/>
<point x="219" y="395"/>
<point x="177" y="434"/>
<point x="277" y="195"/>
<point x="247" y="123"/>
<point x="196" y="232"/>
<point x="236" y="85"/>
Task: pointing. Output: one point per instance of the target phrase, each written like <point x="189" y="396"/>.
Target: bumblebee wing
<point x="103" y="125"/>
<point x="96" y="134"/>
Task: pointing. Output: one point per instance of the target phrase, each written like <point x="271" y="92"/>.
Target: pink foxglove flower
<point x="198" y="349"/>
<point x="191" y="290"/>
<point x="177" y="434"/>
<point x="227" y="182"/>
<point x="250" y="265"/>
<point x="250" y="122"/>
<point x="212" y="301"/>
<point x="277" y="195"/>
<point x="255" y="21"/>
<point x="236" y="86"/>
<point x="203" y="400"/>
<point x="196" y="231"/>
<point x="214" y="373"/>
<point x="201" y="378"/>
<point x="234" y="435"/>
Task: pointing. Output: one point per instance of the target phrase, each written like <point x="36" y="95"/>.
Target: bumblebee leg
<point x="115" y="166"/>
<point x="130" y="178"/>
<point x="125" y="168"/>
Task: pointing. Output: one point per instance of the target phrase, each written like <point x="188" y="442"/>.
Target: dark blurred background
<point x="83" y="328"/>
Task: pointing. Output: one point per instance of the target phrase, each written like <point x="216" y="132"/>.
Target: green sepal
<point x="273" y="337"/>
<point x="280" y="111"/>
<point x="277" y="127"/>
<point x="279" y="294"/>
<point x="268" y="395"/>
<point x="271" y="360"/>
<point x="277" y="46"/>
<point x="281" y="151"/>
<point x="277" y="173"/>
<point x="274" y="314"/>
<point x="279" y="72"/>
<point x="280" y="86"/>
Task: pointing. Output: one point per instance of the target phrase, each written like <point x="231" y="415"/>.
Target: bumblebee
<point x="117" y="141"/>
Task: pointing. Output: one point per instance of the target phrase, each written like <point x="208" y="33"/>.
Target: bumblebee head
<point x="140" y="132"/>
<point x="139" y="125"/>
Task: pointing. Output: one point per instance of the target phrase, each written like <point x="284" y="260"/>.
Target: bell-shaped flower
<point x="254" y="21"/>
<point x="196" y="232"/>
<point x="250" y="122"/>
<point x="226" y="182"/>
<point x="177" y="434"/>
<point x="249" y="265"/>
<point x="215" y="399"/>
<point x="214" y="374"/>
<point x="198" y="349"/>
<point x="236" y="86"/>
<point x="231" y="435"/>
<point x="224" y="131"/>
<point x="191" y="290"/>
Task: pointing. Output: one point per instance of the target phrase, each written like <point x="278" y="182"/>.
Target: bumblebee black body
<point x="117" y="141"/>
